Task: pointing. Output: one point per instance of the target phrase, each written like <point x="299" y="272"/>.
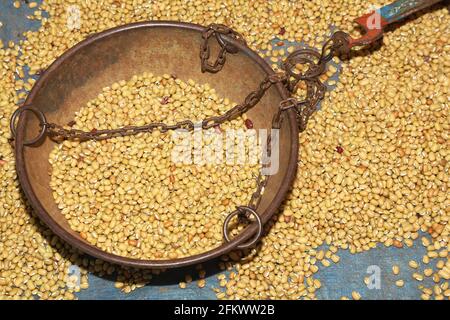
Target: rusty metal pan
<point x="116" y="54"/>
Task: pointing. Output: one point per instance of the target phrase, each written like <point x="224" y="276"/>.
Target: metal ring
<point x="288" y="103"/>
<point x="258" y="221"/>
<point x="305" y="57"/>
<point x="38" y="114"/>
<point x="324" y="56"/>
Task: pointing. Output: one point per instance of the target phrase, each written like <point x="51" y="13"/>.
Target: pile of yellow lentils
<point x="138" y="196"/>
<point x="373" y="162"/>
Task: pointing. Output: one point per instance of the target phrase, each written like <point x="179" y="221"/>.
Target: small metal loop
<point x="303" y="56"/>
<point x="328" y="50"/>
<point x="315" y="92"/>
<point x="218" y="30"/>
<point x="242" y="210"/>
<point x="337" y="44"/>
<point x="42" y="123"/>
<point x="252" y="99"/>
<point x="288" y="104"/>
<point x="213" y="121"/>
<point x="342" y="42"/>
<point x="310" y="58"/>
<point x="228" y="47"/>
<point x="277" y="77"/>
<point x="186" y="125"/>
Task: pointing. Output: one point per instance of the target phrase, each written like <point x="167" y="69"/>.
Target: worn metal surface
<point x="376" y="21"/>
<point x="337" y="280"/>
<point x="403" y="8"/>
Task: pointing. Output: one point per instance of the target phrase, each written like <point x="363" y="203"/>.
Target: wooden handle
<point x="374" y="22"/>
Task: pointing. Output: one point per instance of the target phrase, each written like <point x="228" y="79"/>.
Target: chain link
<point x="218" y="30"/>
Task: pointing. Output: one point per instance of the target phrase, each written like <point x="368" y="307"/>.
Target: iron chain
<point x="218" y="30"/>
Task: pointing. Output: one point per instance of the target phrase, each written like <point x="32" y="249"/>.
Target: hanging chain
<point x="64" y="132"/>
<point x="315" y="61"/>
<point x="218" y="30"/>
<point x="315" y="90"/>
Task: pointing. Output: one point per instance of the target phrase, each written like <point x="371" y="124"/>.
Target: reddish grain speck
<point x="165" y="100"/>
<point x="339" y="150"/>
<point x="249" y="124"/>
<point x="397" y="244"/>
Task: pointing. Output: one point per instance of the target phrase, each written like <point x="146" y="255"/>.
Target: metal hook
<point x="42" y="123"/>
